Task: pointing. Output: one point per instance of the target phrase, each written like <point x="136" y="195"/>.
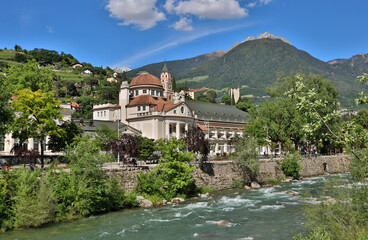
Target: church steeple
<point x="165" y="69"/>
<point x="166" y="81"/>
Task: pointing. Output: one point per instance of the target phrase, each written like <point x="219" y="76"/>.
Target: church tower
<point x="123" y="101"/>
<point x="166" y="82"/>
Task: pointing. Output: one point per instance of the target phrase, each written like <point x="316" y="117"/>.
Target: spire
<point x="165" y="69"/>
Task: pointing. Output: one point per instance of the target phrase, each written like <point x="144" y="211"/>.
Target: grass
<point x="195" y="79"/>
<point x="6" y="54"/>
<point x="274" y="181"/>
<point x="70" y="76"/>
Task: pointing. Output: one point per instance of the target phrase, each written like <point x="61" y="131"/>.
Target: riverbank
<point x="219" y="175"/>
<point x="245" y="212"/>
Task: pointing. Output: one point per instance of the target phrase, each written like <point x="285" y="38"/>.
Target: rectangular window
<point x="144" y="108"/>
<point x="136" y="92"/>
<point x="139" y="108"/>
<point x="144" y="91"/>
<point x="152" y="92"/>
<point x="98" y="114"/>
<point x="35" y="144"/>
<point x="105" y="113"/>
<point x="2" y="143"/>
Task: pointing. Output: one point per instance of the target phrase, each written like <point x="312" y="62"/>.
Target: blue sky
<point x="134" y="33"/>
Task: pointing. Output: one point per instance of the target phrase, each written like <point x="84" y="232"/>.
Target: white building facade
<point x="150" y="106"/>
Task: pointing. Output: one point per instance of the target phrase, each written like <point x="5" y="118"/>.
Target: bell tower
<point x="166" y="82"/>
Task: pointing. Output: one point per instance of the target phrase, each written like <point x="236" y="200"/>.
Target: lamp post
<point x="117" y="118"/>
<point x="207" y="124"/>
<point x="265" y="127"/>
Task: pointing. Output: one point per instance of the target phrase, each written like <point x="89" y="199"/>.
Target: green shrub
<point x="34" y="200"/>
<point x="246" y="158"/>
<point x="205" y="190"/>
<point x="274" y="181"/>
<point x="173" y="176"/>
<point x="238" y="183"/>
<point x="290" y="165"/>
<point x="7" y="188"/>
<point x="317" y="233"/>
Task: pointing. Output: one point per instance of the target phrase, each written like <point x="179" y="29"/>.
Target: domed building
<point x="149" y="107"/>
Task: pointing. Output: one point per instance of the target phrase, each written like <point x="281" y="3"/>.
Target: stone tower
<point x="166" y="82"/>
<point x="123" y="101"/>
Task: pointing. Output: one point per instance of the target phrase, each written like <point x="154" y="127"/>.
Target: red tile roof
<point x="202" y="127"/>
<point x="161" y="104"/>
<point x="146" y="79"/>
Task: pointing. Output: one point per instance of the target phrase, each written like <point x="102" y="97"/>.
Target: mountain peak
<point x="266" y="35"/>
<point x="122" y="69"/>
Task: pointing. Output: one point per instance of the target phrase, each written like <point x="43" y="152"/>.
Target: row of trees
<point x="143" y="148"/>
<point x="280" y="120"/>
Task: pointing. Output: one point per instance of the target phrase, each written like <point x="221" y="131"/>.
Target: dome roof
<point x="145" y="79"/>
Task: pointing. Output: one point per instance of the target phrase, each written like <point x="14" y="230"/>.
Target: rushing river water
<point x="267" y="213"/>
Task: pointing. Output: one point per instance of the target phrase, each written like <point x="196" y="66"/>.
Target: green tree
<point x="173" y="176"/>
<point x="29" y="76"/>
<point x="316" y="101"/>
<point x="88" y="182"/>
<point x="362" y="118"/>
<point x="86" y="102"/>
<point x="209" y="96"/>
<point x="17" y="48"/>
<point x="20" y="57"/>
<point x="5" y="110"/>
<point x="246" y="158"/>
<point x="245" y="105"/>
<point x="290" y="165"/>
<point x="34" y="200"/>
<point x="37" y="116"/>
<point x="226" y="99"/>
<point x="276" y="121"/>
<point x="174" y="84"/>
<point x="147" y="146"/>
<point x="104" y="136"/>
<point x="363" y="98"/>
<point x="58" y="142"/>
<point x="346" y="216"/>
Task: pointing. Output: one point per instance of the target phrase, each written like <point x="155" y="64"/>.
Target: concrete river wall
<point x="220" y="174"/>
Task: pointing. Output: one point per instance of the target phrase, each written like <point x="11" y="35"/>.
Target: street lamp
<point x="117" y="118"/>
<point x="265" y="127"/>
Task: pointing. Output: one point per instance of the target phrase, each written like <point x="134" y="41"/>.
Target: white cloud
<point x="265" y="1"/>
<point x="142" y="13"/>
<point x="184" y="24"/>
<point x="169" y="6"/>
<point x="258" y="3"/>
<point x="213" y="9"/>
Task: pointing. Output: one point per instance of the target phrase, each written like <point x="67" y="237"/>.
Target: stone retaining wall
<point x="220" y="175"/>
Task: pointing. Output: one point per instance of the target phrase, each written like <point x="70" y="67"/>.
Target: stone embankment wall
<point x="220" y="175"/>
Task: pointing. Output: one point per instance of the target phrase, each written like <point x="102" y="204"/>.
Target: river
<point x="267" y="213"/>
